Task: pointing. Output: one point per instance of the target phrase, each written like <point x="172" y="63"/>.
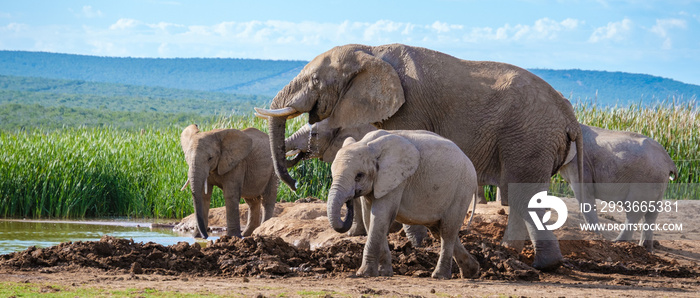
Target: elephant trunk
<point x="198" y="186"/>
<point x="338" y="195"/>
<point x="277" y="126"/>
<point x="298" y="144"/>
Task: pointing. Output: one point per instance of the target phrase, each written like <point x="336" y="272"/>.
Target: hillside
<point x="609" y="88"/>
<point x="210" y="74"/>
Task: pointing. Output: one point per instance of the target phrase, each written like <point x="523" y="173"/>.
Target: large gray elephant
<point x="322" y="141"/>
<point x="413" y="177"/>
<point x="513" y="125"/>
<point x="238" y="162"/>
<point x="622" y="166"/>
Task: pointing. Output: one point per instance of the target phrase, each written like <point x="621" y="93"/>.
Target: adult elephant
<point x="513" y="125"/>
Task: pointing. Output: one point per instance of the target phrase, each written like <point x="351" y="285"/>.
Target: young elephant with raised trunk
<point x="238" y="162"/>
<point x="413" y="177"/>
<point x="622" y="166"/>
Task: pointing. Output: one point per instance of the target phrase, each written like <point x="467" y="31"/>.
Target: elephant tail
<point x="673" y="173"/>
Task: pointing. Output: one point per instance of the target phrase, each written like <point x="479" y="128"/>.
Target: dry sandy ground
<point x="251" y="267"/>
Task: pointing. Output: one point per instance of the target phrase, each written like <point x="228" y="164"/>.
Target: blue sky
<point x="660" y="38"/>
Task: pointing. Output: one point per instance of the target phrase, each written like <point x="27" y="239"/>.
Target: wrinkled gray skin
<point x="413" y="177"/>
<point x="321" y="141"/>
<point x="622" y="166"/>
<point x="514" y="126"/>
<point x="238" y="162"/>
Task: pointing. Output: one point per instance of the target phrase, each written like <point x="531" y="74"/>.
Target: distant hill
<point x="610" y="88"/>
<point x="267" y="77"/>
<point x="205" y="74"/>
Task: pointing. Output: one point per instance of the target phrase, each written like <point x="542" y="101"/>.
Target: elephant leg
<point x="443" y="268"/>
<point x="232" y="199"/>
<point x="647" y="239"/>
<point x="468" y="265"/>
<point x="631" y="218"/>
<point x="481" y="197"/>
<point x="254" y="215"/>
<point x="416" y="234"/>
<point x="358" y="223"/>
<point x="269" y="199"/>
<point x="547" y="253"/>
<point x="589" y="214"/>
<point x="376" y="254"/>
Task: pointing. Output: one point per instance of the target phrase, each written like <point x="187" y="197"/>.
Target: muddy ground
<point x="296" y="254"/>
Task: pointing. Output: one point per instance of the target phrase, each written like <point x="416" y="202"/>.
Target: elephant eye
<point x="359" y="177"/>
<point x="314" y="79"/>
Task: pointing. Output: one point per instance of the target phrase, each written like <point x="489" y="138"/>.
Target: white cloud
<point x="123" y="24"/>
<point x="542" y="29"/>
<point x="90" y="12"/>
<point x="663" y="26"/>
<point x="615" y="31"/>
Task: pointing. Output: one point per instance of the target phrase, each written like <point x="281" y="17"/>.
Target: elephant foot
<point x="386" y="271"/>
<point x="648" y="245"/>
<point x="482" y="200"/>
<point x="365" y="271"/>
<point x="235" y="234"/>
<point x="468" y="268"/>
<point x="442" y="274"/>
<point x="548" y="260"/>
<point x="516" y="245"/>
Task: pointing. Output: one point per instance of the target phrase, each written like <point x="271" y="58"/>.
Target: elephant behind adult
<point x="238" y="162"/>
<point x="622" y="166"/>
<point x="513" y="125"/>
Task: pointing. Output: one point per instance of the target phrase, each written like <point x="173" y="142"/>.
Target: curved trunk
<point x="298" y="141"/>
<point x="277" y="126"/>
<point x="336" y="197"/>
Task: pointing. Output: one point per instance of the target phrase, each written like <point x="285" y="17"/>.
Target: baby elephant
<point x="413" y="177"/>
<point x="622" y="167"/>
<point x="237" y="161"/>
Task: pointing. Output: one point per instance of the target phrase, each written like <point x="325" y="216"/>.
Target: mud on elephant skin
<point x="495" y="112"/>
<point x="238" y="162"/>
<point x="622" y="166"/>
<point x="413" y="177"/>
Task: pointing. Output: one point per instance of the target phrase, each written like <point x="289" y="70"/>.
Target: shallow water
<point x="18" y="235"/>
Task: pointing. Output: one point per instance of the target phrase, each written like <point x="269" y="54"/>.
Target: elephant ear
<point x="186" y="136"/>
<point x="373" y="93"/>
<point x="235" y="146"/>
<point x="397" y="160"/>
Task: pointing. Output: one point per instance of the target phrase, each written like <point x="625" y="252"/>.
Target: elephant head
<point x="373" y="168"/>
<point x="347" y="84"/>
<point x="215" y="153"/>
<point x="322" y="141"/>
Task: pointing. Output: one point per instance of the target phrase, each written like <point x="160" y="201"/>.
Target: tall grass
<point x="96" y="172"/>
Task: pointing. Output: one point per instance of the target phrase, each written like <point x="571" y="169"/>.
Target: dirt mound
<point x="272" y="251"/>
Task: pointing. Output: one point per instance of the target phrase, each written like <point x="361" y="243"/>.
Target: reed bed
<point x="98" y="172"/>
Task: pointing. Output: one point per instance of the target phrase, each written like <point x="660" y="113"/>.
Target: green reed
<point x="96" y="172"/>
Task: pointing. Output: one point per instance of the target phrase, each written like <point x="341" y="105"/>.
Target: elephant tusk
<point x="261" y="116"/>
<point x="288" y="112"/>
<point x="205" y="187"/>
<point x="293" y="152"/>
<point x="185" y="186"/>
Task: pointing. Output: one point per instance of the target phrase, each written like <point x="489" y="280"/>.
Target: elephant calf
<point x="622" y="167"/>
<point x="413" y="177"/>
<point x="238" y="162"/>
